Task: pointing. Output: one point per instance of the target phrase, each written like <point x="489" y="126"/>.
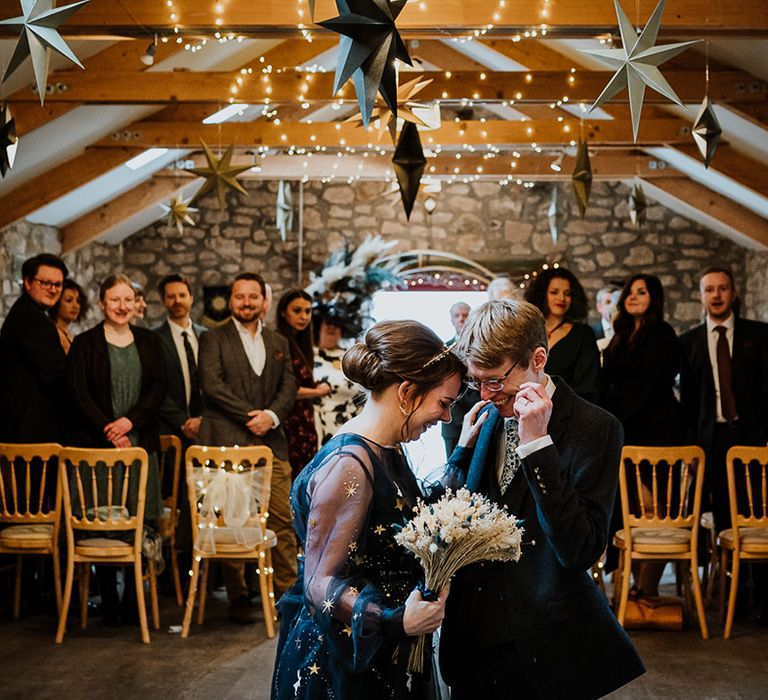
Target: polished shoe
<point x="241" y="612"/>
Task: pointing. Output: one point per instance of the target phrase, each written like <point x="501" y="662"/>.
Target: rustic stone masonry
<point x="497" y="226"/>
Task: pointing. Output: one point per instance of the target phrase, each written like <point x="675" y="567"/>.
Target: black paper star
<point x="9" y="142"/>
<point x="369" y="45"/>
<point x="706" y="131"/>
<point x="409" y="163"/>
<point x="582" y="177"/>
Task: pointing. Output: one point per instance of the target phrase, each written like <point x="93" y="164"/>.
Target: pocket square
<point x="279" y="355"/>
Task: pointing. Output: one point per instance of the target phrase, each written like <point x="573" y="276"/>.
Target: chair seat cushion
<point x="27" y="536"/>
<point x="657" y="535"/>
<point x="748" y="536"/>
<point x="102" y="546"/>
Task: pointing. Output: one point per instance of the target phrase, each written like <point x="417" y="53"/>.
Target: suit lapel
<point x="484" y="456"/>
<point x="233" y="337"/>
<point x="167" y="337"/>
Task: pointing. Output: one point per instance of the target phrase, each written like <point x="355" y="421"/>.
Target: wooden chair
<point x="747" y="539"/>
<point x="170" y="453"/>
<point x="661" y="521"/>
<point x="104" y="491"/>
<point x="30" y="521"/>
<point x="213" y="538"/>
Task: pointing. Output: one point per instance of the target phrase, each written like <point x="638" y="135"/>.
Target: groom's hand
<point x="533" y="409"/>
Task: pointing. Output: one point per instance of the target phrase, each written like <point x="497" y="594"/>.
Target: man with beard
<point x="249" y="388"/>
<point x="724" y="392"/>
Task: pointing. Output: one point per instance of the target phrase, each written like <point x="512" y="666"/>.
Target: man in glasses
<point x="540" y="627"/>
<point x="32" y="360"/>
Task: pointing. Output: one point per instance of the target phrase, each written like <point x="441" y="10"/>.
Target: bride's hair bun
<point x="362" y="365"/>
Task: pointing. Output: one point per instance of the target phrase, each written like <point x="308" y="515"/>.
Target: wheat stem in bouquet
<point x="459" y="529"/>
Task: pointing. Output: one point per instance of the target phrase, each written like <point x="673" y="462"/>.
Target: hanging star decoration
<point x="386" y="120"/>
<point x="409" y="163"/>
<point x="582" y="177"/>
<point x="706" y="131"/>
<point x="178" y="213"/>
<point x="9" y="142"/>
<point x="369" y="45"/>
<point x="556" y="214"/>
<point x="636" y="63"/>
<point x="284" y="214"/>
<point x="219" y="175"/>
<point x="38" y="36"/>
<point x="637" y="206"/>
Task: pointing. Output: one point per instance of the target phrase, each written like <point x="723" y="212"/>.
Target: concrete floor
<point x="225" y="661"/>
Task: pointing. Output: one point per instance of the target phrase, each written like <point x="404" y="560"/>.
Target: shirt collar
<point x="176" y="328"/>
<point x="244" y="331"/>
<point x="729" y="323"/>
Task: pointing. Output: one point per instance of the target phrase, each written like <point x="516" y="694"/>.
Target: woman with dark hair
<point x="349" y="620"/>
<point x="70" y="308"/>
<point x="294" y="321"/>
<point x="573" y="353"/>
<point x="639" y="369"/>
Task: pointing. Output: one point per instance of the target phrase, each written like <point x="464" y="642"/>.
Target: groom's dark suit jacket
<point x="567" y="640"/>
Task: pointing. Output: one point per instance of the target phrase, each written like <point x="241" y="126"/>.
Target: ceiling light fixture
<point x="148" y="58"/>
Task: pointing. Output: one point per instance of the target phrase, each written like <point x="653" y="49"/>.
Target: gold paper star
<point x="219" y="175"/>
<point x="351" y="490"/>
<point x="178" y="213"/>
<point x="314" y="669"/>
<point x="348" y="631"/>
<point x="354" y="591"/>
<point x="327" y="605"/>
<point x="379" y="529"/>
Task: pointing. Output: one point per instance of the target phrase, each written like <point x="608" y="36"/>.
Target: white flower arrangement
<point x="459" y="529"/>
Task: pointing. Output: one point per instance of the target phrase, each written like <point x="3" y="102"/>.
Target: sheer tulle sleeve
<point x="350" y="610"/>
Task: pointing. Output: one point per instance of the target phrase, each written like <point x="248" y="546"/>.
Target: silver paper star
<point x="582" y="177"/>
<point x="636" y="63"/>
<point x="9" y="142"/>
<point x="556" y="214"/>
<point x="706" y="131"/>
<point x="637" y="206"/>
<point x="178" y="212"/>
<point x="38" y="27"/>
<point x="284" y="214"/>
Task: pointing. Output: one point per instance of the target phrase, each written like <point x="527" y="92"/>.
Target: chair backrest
<point x="170" y="454"/>
<point x="29" y="487"/>
<point x="661" y="487"/>
<point x="748" y="486"/>
<point x="104" y="489"/>
<point x="204" y="463"/>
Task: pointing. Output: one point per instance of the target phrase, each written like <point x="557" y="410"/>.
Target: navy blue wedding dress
<point x="342" y="622"/>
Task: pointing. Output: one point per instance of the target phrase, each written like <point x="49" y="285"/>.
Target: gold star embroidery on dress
<point x="352" y="547"/>
<point x="351" y="489"/>
<point x="354" y="591"/>
<point x="314" y="669"/>
<point x="312" y="522"/>
<point x="348" y="631"/>
<point x="327" y="605"/>
<point x="379" y="529"/>
<point x="400" y="504"/>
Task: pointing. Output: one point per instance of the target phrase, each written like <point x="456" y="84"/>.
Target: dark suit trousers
<point x="497" y="674"/>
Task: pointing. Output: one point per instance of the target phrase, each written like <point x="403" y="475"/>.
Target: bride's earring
<point x="403" y="410"/>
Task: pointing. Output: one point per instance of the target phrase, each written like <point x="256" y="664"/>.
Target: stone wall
<point x="500" y="227"/>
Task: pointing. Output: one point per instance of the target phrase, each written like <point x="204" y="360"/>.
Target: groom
<point x="538" y="628"/>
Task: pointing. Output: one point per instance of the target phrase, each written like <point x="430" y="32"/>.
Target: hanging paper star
<point x="582" y="177"/>
<point x="369" y="45"/>
<point x="9" y="142"/>
<point x="636" y="63"/>
<point x="556" y="214"/>
<point x="409" y="163"/>
<point x="38" y="35"/>
<point x="178" y="212"/>
<point x="284" y="209"/>
<point x="219" y="175"/>
<point x="637" y="206"/>
<point x="706" y="131"/>
<point x="388" y="121"/>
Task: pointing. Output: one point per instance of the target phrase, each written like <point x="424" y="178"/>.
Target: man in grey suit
<point x="249" y="388"/>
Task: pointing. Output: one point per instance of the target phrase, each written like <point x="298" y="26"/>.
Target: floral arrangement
<point x="343" y="287"/>
<point x="459" y="529"/>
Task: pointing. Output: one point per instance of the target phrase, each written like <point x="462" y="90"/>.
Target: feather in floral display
<point x="461" y="528"/>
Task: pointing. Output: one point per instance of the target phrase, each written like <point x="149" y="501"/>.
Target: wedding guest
<point x="640" y="365"/>
<point x="349" y="621"/>
<point x="248" y="389"/>
<point x="267" y="301"/>
<point x="539" y="627"/>
<point x="573" y="354"/>
<point x="140" y="301"/>
<point x="502" y="288"/>
<point x="116" y="377"/>
<point x="605" y="303"/>
<point x="71" y="307"/>
<point x="32" y="360"/>
<point x="344" y="400"/>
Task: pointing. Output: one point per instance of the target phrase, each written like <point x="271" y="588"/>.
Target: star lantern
<point x="409" y="163"/>
<point x="637" y="206"/>
<point x="369" y="45"/>
<point x="284" y="214"/>
<point x="9" y="142"/>
<point x="38" y="35"/>
<point x="706" y="131"/>
<point x="636" y="63"/>
<point x="556" y="214"/>
<point x="178" y="213"/>
<point x="219" y="175"/>
<point x="582" y="177"/>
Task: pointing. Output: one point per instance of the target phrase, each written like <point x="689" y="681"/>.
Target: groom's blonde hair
<point x="502" y="330"/>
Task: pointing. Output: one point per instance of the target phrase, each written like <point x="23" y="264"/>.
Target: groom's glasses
<point x="490" y="384"/>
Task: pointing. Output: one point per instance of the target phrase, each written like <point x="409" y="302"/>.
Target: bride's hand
<point x="470" y="429"/>
<point x="421" y="616"/>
